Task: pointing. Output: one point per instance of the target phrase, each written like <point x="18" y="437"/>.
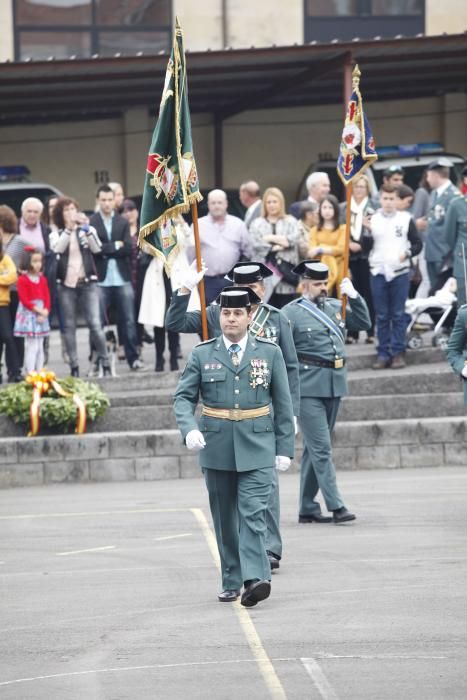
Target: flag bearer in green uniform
<point x="268" y="323"/>
<point x="457" y="347"/>
<point x="245" y="430"/>
<point x="455" y="235"/>
<point x="319" y="336"/>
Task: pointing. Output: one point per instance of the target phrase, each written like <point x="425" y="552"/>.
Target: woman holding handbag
<point x="274" y="240"/>
<point x="362" y="208"/>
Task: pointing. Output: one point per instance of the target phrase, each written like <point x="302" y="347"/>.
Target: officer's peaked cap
<point x="312" y="270"/>
<point x="441" y="162"/>
<point x="248" y="273"/>
<point x="237" y="298"/>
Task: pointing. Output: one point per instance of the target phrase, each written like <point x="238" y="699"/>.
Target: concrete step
<point x="434" y="378"/>
<point x="401" y="406"/>
<point x="364" y="360"/>
<point x="361" y="408"/>
<point x="168" y="380"/>
<point x="159" y="454"/>
<point x="151" y="410"/>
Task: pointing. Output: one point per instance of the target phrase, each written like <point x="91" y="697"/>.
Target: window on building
<point x="345" y="19"/>
<point x="64" y="28"/>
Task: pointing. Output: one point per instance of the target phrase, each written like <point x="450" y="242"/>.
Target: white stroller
<point x="441" y="307"/>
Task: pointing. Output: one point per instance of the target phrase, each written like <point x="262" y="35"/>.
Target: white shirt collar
<point x="241" y="342"/>
<point x="441" y="188"/>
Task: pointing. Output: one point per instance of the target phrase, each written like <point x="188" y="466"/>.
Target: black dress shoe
<point x="273" y="560"/>
<point x="255" y="592"/>
<point x="74" y="372"/>
<point x="228" y="596"/>
<point x="173" y="363"/>
<point x="160" y="365"/>
<point x="316" y="518"/>
<point x="342" y="515"/>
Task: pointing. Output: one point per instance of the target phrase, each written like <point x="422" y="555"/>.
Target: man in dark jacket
<point x="114" y="269"/>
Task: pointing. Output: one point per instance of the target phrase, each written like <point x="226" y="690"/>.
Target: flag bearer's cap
<point x="248" y="273"/>
<point x="312" y="270"/>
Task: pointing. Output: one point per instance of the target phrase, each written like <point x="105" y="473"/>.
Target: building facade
<point x="273" y="146"/>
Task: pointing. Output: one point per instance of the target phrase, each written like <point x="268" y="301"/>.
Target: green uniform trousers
<point x="238" y="502"/>
<point x="317" y="419"/>
<point x="273" y="518"/>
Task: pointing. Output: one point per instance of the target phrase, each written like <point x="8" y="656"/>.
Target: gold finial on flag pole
<point x="356" y="76"/>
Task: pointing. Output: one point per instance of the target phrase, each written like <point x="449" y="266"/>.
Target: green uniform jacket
<point x="276" y="329"/>
<point x="457" y="346"/>
<point x="237" y="445"/>
<point x="455" y="234"/>
<point x="436" y="247"/>
<point x="313" y="338"/>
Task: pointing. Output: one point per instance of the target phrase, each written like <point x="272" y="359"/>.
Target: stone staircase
<point x="404" y="418"/>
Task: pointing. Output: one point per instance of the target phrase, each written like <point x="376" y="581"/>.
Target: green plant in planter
<point x="55" y="411"/>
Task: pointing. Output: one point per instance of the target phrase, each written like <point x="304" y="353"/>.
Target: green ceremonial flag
<point x="171" y="184"/>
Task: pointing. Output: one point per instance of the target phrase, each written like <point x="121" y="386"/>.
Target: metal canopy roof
<point x="230" y="81"/>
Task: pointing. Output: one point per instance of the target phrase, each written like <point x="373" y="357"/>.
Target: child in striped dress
<point x="32" y="316"/>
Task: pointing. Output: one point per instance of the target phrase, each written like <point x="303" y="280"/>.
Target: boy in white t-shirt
<point x="392" y="242"/>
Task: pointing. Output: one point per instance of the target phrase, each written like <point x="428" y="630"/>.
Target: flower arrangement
<point x="61" y="405"/>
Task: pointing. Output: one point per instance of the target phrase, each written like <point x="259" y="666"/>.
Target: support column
<point x="218" y="152"/>
<point x="7" y="48"/>
<point x="135" y="145"/>
<point x="347" y="79"/>
<point x="454" y="132"/>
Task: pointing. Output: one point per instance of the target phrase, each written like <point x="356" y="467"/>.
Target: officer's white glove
<point x="348" y="289"/>
<point x="195" y="440"/>
<point x="295" y="425"/>
<point x="464" y="372"/>
<point x="192" y="277"/>
<point x="282" y="463"/>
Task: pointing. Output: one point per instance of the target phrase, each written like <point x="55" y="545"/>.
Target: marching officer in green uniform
<point x="268" y="323"/>
<point x="245" y="430"/>
<point x="319" y="335"/>
<point x="455" y="235"/>
<point x="457" y="347"/>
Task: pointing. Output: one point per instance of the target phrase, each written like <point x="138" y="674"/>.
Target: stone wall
<point x="148" y="456"/>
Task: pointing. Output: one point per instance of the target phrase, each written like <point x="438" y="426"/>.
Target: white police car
<point x="15" y="187"/>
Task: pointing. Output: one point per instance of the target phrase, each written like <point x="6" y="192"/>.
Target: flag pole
<point x="348" y="215"/>
<point x="199" y="265"/>
<point x="348" y="190"/>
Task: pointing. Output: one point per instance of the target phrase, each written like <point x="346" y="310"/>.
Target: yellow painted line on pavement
<point x="263" y="661"/>
<point x="84" y="551"/>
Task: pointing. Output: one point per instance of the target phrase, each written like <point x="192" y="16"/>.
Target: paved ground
<point x="372" y="610"/>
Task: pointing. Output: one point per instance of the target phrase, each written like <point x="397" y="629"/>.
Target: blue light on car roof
<point x="409" y="149"/>
<point x="13" y="172"/>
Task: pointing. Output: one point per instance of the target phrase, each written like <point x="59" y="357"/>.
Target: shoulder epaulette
<point x="266" y="341"/>
<point x="204" y="342"/>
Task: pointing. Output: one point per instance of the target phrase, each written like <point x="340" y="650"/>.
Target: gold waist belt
<point x="235" y="413"/>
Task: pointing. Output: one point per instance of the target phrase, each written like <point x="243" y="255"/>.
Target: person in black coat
<point x="114" y="270"/>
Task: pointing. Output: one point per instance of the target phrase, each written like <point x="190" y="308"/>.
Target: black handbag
<point x="284" y="267"/>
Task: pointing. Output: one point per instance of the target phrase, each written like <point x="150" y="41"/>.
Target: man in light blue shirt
<point x="114" y="270"/>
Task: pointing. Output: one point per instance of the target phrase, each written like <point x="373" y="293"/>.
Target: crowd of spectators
<point x="59" y="266"/>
